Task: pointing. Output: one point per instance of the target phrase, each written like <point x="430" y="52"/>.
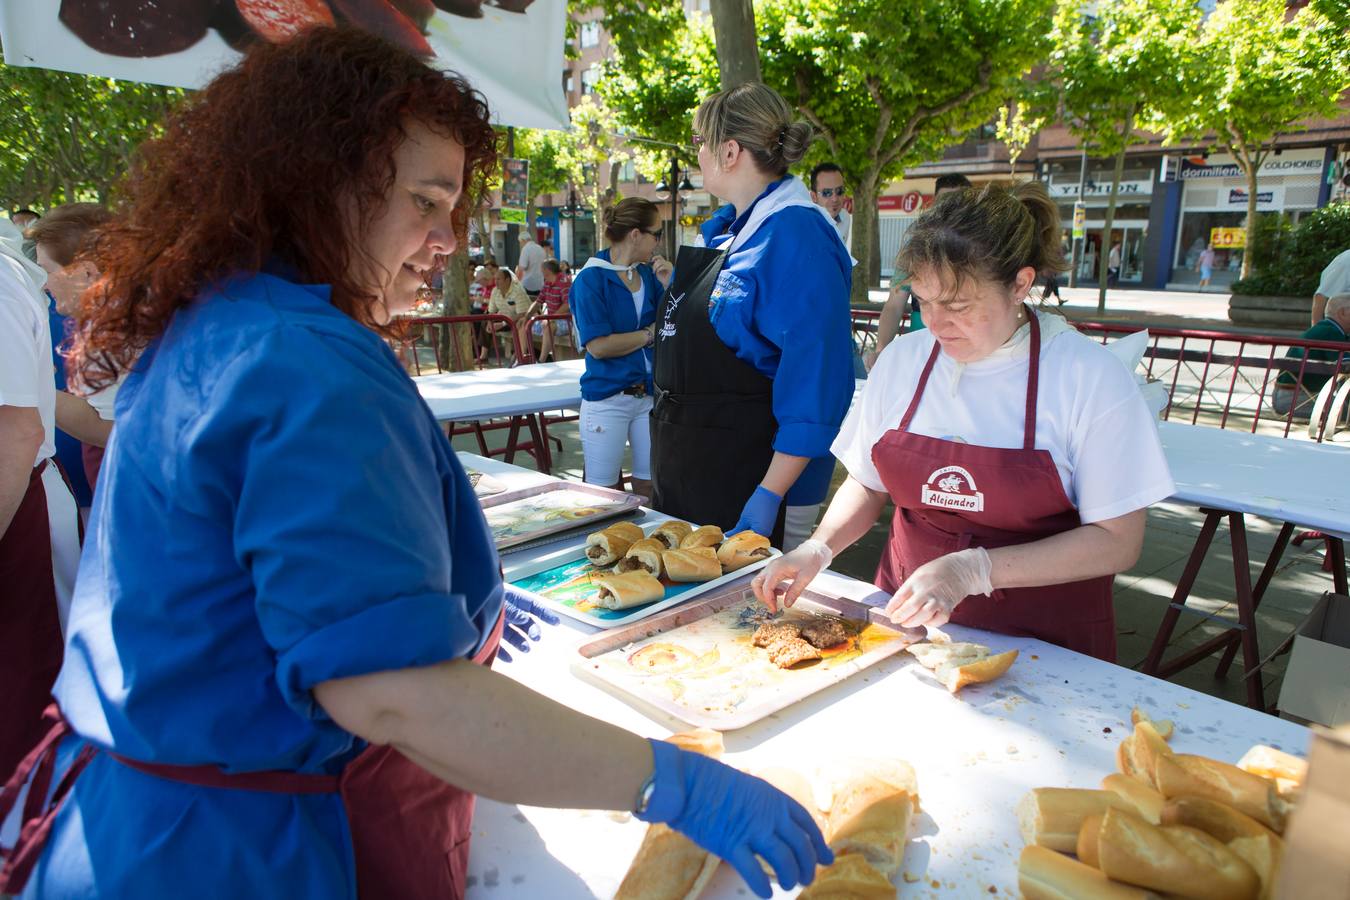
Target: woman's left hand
<point x="932" y="591"/>
<point x="759" y="514"/>
<point x="662" y="269"/>
<point x="521" y="627"/>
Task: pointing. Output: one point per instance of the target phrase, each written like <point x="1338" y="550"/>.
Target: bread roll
<point x="644" y="555"/>
<point x="1185" y="774"/>
<point x="1137" y="755"/>
<point x="1163" y="727"/>
<point x="1263" y="854"/>
<point x="742" y="549"/>
<point x="668" y="865"/>
<point x="871" y="812"/>
<point x="1179" y="861"/>
<point x="849" y="877"/>
<point x="1218" y="820"/>
<point x="798" y="787"/>
<point x="1053" y="817"/>
<point x="628" y="590"/>
<point x="1147" y="802"/>
<point x="960" y="663"/>
<point x="703" y="536"/>
<point x="1088" y="836"/>
<point x="697" y="564"/>
<point x="672" y="532"/>
<point x="606" y="547"/>
<point x="1043" y="874"/>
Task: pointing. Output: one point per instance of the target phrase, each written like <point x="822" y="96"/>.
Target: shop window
<point x="588" y="80"/>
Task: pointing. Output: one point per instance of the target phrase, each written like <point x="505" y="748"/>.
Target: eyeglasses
<point x="831" y="192"/>
<point x="696" y="139"/>
<point x="656" y="234"/>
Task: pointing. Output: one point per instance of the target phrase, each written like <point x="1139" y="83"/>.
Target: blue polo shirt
<point x="602" y="305"/>
<point x="781" y="305"/>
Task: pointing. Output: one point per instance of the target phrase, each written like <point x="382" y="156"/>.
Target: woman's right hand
<point x="735" y="816"/>
<point x="798" y="568"/>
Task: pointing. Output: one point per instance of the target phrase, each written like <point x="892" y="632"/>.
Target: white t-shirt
<point x="843" y="225"/>
<point x="638" y="296"/>
<point x="103" y="400"/>
<point x="531" y="264"/>
<point x="26" y="374"/>
<point x="1090" y="414"/>
<point x="1336" y="277"/>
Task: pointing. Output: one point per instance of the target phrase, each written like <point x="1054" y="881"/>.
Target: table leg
<point x="543" y="457"/>
<point x="1242" y="580"/>
<point x="1263" y="582"/>
<point x="512" y="440"/>
<point x="1336" y="553"/>
<point x="1153" y="662"/>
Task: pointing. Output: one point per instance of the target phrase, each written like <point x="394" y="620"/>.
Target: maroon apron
<point x="410" y="830"/>
<point x="949" y="496"/>
<point x="30" y="627"/>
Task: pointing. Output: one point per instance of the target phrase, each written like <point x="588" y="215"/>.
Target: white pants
<point x="607" y="426"/>
<point x="63" y="520"/>
<point x="798" y="523"/>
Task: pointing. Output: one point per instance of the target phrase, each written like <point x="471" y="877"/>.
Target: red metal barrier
<point x="563" y="336"/>
<point x="493" y="339"/>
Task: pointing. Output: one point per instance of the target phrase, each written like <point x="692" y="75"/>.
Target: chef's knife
<point x="865" y="614"/>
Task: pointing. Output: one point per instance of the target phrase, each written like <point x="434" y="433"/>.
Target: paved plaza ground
<point x="1142" y="593"/>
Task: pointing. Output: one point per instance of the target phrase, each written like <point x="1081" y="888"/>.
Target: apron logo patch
<point x="728" y="287"/>
<point x="668" y="326"/>
<point x="952" y="487"/>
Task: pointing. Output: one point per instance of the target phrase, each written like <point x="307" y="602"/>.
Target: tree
<point x="546" y="151"/>
<point x="1254" y="74"/>
<point x="737" y="53"/>
<point x="70" y="137"/>
<point x="889" y="88"/>
<point x="593" y="152"/>
<point x="1113" y="69"/>
<point x="1018" y="124"/>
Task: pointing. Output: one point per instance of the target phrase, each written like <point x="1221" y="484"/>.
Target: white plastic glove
<point x="933" y="590"/>
<point x="797" y="568"/>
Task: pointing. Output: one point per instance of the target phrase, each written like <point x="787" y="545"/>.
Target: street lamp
<point x="572" y="210"/>
<point x="672" y="188"/>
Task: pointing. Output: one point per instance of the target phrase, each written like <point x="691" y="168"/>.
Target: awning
<point x="514" y="57"/>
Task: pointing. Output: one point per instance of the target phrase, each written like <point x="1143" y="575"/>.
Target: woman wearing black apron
<point x="753" y="365"/>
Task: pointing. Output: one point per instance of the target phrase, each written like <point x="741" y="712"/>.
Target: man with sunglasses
<point x="827" y="189"/>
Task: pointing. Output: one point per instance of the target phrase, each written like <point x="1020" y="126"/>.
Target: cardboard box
<point x="1316" y="684"/>
<point x="1316" y="863"/>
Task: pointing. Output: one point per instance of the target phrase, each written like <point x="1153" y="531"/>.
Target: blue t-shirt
<point x="781" y="304"/>
<point x="602" y="305"/>
<point x="286" y="511"/>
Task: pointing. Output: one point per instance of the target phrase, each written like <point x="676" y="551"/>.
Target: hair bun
<point x="796" y="140"/>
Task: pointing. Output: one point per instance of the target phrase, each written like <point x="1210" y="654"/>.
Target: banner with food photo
<point x="186" y="42"/>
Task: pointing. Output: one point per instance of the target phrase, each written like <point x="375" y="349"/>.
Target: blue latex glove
<point x="520" y="627"/>
<point x="760" y="513"/>
<point x="735" y="816"/>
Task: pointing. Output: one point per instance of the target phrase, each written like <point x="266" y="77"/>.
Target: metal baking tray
<point x="697" y="662"/>
<point x="528" y="514"/>
<point x="562" y="580"/>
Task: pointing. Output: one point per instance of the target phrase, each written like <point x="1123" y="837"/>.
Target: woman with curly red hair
<point x="269" y="688"/>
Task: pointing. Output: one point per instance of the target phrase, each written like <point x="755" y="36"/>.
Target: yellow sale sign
<point x="1227" y="238"/>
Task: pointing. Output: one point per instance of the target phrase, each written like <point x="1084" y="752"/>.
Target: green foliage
<point x="1302" y="254"/>
<point x="547" y="152"/>
<point x="70" y="137"/>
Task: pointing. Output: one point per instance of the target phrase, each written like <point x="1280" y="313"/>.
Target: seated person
<point x="508" y="299"/>
<point x="552" y="301"/>
<point x="1300" y="394"/>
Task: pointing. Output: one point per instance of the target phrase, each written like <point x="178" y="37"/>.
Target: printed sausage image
<point x="470" y="9"/>
<point x="137" y="28"/>
<point x="279" y="20"/>
<point x="379" y="17"/>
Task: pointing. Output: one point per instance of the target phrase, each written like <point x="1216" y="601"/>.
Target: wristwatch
<point x="644" y="797"/>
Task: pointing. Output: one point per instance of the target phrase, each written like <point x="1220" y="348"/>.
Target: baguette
<point x="1088" y="837"/>
<point x="672" y="532"/>
<point x="1219" y="820"/>
<point x="1163" y="727"/>
<point x="1186" y="774"/>
<point x="849" y="877"/>
<point x="1053" y="817"/>
<point x="1263" y="854"/>
<point x="606" y="547"/>
<point x="703" y="536"/>
<point x="1179" y="861"/>
<point x="1043" y="874"/>
<point x="696" y="565"/>
<point x="959" y="664"/>
<point x="1138" y="755"/>
<point x="628" y="590"/>
<point x="870" y="814"/>
<point x="644" y="554"/>
<point x="742" y="549"/>
<point x="1147" y="802"/>
<point x="668" y="865"/>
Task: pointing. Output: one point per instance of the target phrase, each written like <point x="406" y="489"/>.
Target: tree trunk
<point x="864" y="238"/>
<point x="531" y="212"/>
<point x="455" y="302"/>
<point x="1252" y="168"/>
<point x="737" y="49"/>
<point x="1104" y="257"/>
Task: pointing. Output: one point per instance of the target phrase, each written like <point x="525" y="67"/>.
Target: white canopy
<point x="514" y="58"/>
